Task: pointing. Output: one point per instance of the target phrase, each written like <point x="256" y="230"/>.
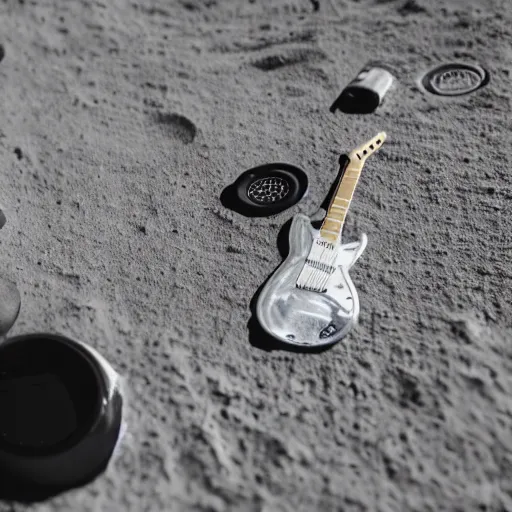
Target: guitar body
<point x="310" y="300"/>
<point x="298" y="316"/>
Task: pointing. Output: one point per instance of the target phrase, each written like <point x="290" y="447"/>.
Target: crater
<point x="455" y="79"/>
<point x="411" y="7"/>
<point x="294" y="92"/>
<point x="178" y="127"/>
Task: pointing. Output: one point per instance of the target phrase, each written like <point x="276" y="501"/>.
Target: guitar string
<point x="317" y="278"/>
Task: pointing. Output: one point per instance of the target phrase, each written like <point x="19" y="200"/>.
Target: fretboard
<point x="340" y="203"/>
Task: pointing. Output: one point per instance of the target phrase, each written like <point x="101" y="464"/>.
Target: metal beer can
<point x="366" y="92"/>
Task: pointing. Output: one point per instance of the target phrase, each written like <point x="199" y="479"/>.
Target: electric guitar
<point x="310" y="300"/>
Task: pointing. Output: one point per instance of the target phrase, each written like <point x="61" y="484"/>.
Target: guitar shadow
<point x="260" y="339"/>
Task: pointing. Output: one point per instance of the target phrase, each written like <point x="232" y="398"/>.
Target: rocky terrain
<point x="123" y="121"/>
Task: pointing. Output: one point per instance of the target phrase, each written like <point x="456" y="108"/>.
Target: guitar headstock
<point x="361" y="153"/>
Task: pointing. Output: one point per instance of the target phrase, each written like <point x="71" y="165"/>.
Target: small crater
<point x="390" y="467"/>
<point x="353" y="387"/>
<point x="150" y="102"/>
<point x="179" y="127"/>
<point x="190" y="6"/>
<point x="411" y="7"/>
<point x="294" y="92"/>
<point x="463" y="330"/>
<point x="10" y="304"/>
<point x="455" y="79"/>
<point x="280" y="60"/>
<point x="410" y="392"/>
<point x="474" y="382"/>
<point x="18" y="153"/>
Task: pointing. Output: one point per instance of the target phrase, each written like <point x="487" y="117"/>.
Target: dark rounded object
<point x="2" y="52"/>
<point x="60" y="413"/>
<point x="10" y="303"/>
<point x="455" y="79"/>
<point x="266" y="190"/>
<point x="3" y="218"/>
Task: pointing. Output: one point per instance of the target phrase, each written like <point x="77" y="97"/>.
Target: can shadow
<point x="356" y="100"/>
<point x="14" y="490"/>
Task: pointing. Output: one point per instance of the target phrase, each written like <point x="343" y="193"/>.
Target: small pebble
<point x="10" y="302"/>
<point x="296" y="385"/>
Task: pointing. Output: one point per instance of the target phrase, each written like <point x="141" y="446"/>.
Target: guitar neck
<point x="340" y="203"/>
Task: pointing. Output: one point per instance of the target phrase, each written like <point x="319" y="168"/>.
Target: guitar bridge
<point x="314" y="276"/>
<point x="316" y="290"/>
<point x="318" y="267"/>
<point x="323" y="267"/>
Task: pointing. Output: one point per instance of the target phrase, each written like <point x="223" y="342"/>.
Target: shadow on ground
<point x="16" y="490"/>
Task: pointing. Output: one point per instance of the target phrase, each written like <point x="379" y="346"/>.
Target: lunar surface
<point x="121" y="123"/>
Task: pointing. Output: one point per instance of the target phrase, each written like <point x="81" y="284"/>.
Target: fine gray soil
<point x="121" y="123"/>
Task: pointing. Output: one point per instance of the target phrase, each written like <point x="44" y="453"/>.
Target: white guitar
<point x="310" y="300"/>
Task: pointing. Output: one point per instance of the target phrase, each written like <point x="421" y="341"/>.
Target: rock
<point x="10" y="302"/>
<point x="3" y="218"/>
